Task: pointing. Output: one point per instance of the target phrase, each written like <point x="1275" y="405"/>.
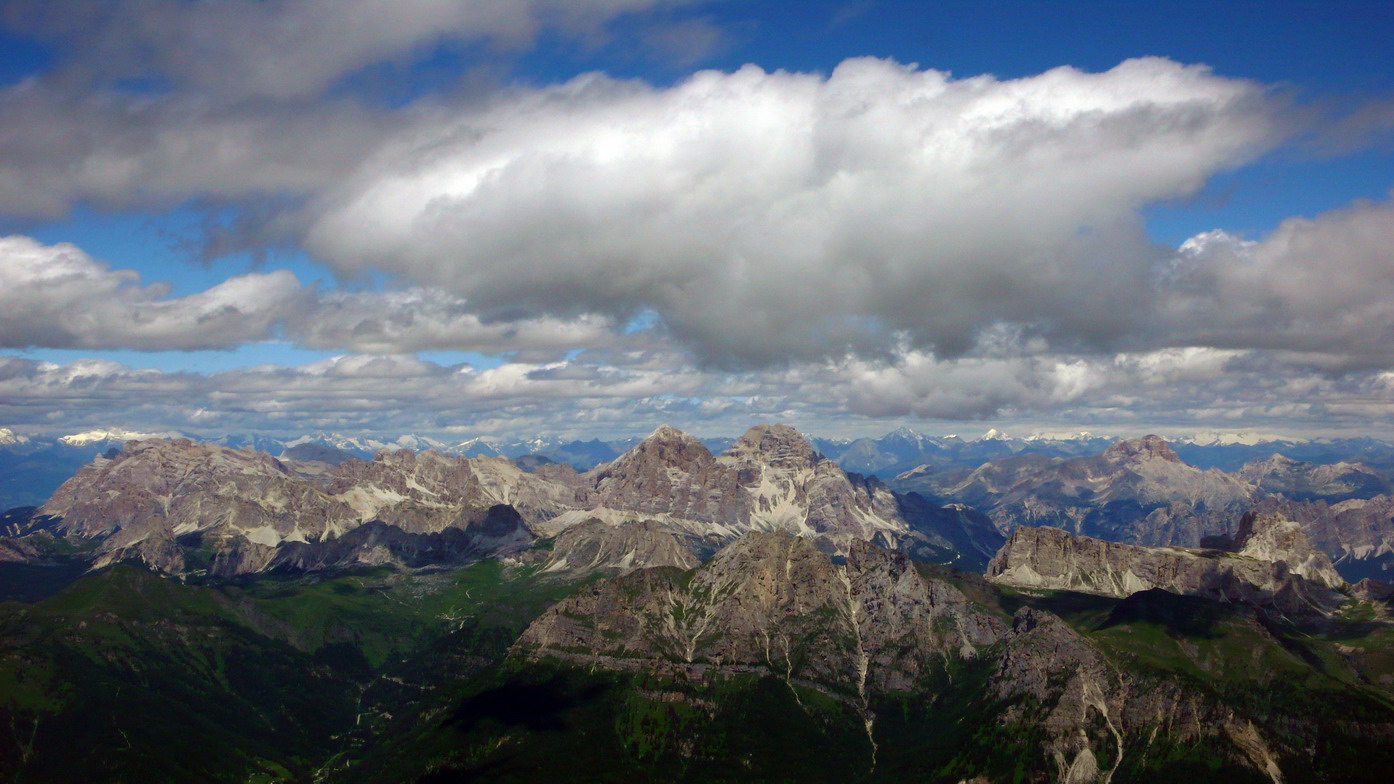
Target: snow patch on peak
<point x="1232" y="438"/>
<point x="114" y="434"/>
<point x="9" y="437"/>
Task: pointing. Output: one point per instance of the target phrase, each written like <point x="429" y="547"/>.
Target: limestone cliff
<point x="1272" y="568"/>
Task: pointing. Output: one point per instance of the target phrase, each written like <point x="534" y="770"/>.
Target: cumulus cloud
<point x="1322" y="285"/>
<point x="766" y="216"/>
<point x="58" y="296"/>
<point x="967" y="388"/>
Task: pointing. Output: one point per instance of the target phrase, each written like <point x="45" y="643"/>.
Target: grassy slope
<point x="161" y="681"/>
<point x="380" y="676"/>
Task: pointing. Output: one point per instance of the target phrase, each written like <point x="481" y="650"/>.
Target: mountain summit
<point x="1148" y="447"/>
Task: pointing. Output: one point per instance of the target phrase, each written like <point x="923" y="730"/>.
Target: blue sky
<point x="420" y="220"/>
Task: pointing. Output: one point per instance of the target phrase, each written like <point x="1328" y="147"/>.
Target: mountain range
<point x="187" y="508"/>
<point x="189" y="611"/>
<point x="1140" y="491"/>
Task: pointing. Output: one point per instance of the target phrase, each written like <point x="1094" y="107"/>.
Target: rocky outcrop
<point x="236" y="506"/>
<point x="1076" y="705"/>
<point x="1268" y="537"/>
<point x="672" y="474"/>
<point x="595" y="546"/>
<point x="773" y="603"/>
<point x="771" y="480"/>
<point x="1052" y="559"/>
<point x="1357" y="533"/>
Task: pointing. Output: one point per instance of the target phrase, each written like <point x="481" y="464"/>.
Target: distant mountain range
<point x="1140" y="491"/>
<point x="32" y="467"/>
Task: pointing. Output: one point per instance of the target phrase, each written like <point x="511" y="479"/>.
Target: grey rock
<point x="1052" y="559"/>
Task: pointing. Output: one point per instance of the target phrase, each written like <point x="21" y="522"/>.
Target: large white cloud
<point x="773" y="215"/>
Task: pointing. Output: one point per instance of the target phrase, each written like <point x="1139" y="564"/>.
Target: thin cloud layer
<point x="286" y="49"/>
<point x="770" y="216"/>
<point x="411" y="320"/>
<point x="396" y="394"/>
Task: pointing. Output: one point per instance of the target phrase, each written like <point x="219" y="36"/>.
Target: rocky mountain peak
<point x="777" y="445"/>
<point x="1269" y="537"/>
<point x="666" y="446"/>
<point x="1149" y="447"/>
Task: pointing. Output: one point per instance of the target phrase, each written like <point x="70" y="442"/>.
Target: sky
<point x="585" y="218"/>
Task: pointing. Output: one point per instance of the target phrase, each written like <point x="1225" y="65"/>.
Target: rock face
<point x="773" y="603"/>
<point x="240" y="505"/>
<point x="772" y="480"/>
<point x="1357" y="533"/>
<point x="1275" y="567"/>
<point x="869" y="632"/>
<point x="155" y="500"/>
<point x="595" y="546"/>
<point x="1268" y="537"/>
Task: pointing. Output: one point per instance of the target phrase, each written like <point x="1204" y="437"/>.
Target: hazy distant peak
<point x="1149" y="447"/>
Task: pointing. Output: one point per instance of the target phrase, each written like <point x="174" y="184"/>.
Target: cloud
<point x="1168" y="389"/>
<point x="156" y="102"/>
<point x="1321" y="286"/>
<point x="769" y="216"/>
<point x="126" y="151"/>
<point x="429" y="320"/>
<point x="967" y="388"/>
<point x="58" y="296"/>
<point x="286" y="49"/>
<point x="368" y="393"/>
